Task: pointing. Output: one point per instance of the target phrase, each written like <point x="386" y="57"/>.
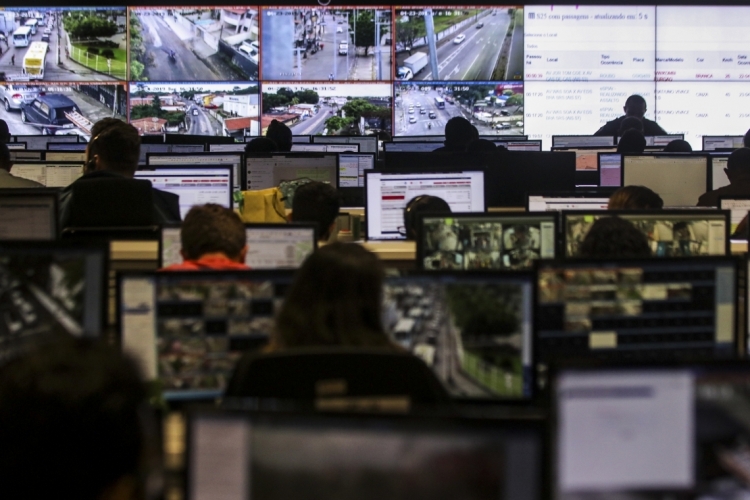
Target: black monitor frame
<point x="52" y="193"/>
<point x="705" y="137"/>
<point x="705" y="156"/>
<point x="288" y="154"/>
<point x="196" y="167"/>
<point x="187" y="156"/>
<point x="598" y="192"/>
<point x="351" y="196"/>
<point x="612" y="137"/>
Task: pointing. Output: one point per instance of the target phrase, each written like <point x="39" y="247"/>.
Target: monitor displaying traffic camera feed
<point x="484" y="241"/>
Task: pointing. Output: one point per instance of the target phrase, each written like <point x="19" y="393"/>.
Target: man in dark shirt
<point x="635" y="106"/>
<point x="738" y="173"/>
<point x="113" y="153"/>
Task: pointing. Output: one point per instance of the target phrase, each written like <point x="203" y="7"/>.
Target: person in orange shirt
<point x="213" y="239"/>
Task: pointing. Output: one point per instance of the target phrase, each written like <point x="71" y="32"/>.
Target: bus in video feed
<point x="494" y="108"/>
<point x="327" y="44"/>
<point x="177" y="44"/>
<point x="68" y="44"/>
<point x="459" y="43"/>
<point x="471" y="334"/>
<point x="60" y="109"/>
<point x="328" y="108"/>
<point x="196" y="108"/>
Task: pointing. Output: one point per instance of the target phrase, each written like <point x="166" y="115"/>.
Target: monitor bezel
<point x="287" y="154"/>
<point x="53" y="193"/>
<point x="204" y="154"/>
<point x="705" y="156"/>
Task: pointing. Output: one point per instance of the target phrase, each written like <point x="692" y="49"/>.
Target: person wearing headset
<point x="112" y="152"/>
<point x="421" y="204"/>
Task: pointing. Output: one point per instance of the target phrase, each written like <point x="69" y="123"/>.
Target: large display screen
<point x="359" y="70"/>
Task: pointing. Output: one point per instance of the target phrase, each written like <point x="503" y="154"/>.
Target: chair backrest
<point x="330" y="374"/>
<point x="108" y="202"/>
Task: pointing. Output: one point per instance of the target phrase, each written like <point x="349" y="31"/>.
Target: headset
<point x="91" y="162"/>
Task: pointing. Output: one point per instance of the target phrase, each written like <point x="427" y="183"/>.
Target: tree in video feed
<point x="482" y="43"/>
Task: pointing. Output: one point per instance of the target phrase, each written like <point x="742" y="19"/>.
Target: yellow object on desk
<point x="263" y="205"/>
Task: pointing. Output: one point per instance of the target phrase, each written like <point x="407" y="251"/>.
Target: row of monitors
<point x="482" y="333"/>
<point x="286" y="43"/>
<point x="624" y="430"/>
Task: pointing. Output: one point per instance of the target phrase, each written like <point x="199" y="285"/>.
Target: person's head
<point x="335" y="300"/>
<point x="738" y="164"/>
<point x="479" y="145"/>
<point x="213" y="230"/>
<point x="280" y="134"/>
<point x="635" y="198"/>
<point x="635" y="105"/>
<point x="630" y="123"/>
<point x="631" y="141"/>
<point x="5" y="163"/>
<point x="678" y="146"/>
<point x="4" y="132"/>
<point x="614" y="238"/>
<point x="261" y="145"/>
<point x="73" y="412"/>
<point x="114" y="146"/>
<point x="420" y="205"/>
<point x="316" y="202"/>
<point x="459" y="133"/>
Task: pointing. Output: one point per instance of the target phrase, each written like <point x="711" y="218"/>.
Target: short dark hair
<point x="614" y="238"/>
<point x="459" y="132"/>
<point x="631" y="141"/>
<point x="261" y="145"/>
<point x="635" y="198"/>
<point x="74" y="409"/>
<point x="630" y="122"/>
<point x="678" y="146"/>
<point x="335" y="300"/>
<point x="635" y="100"/>
<point x="316" y="202"/>
<point x="211" y="228"/>
<point x="420" y="205"/>
<point x="117" y="144"/>
<point x="280" y="134"/>
<point x="739" y="160"/>
<point x="4" y="157"/>
<point x="480" y="145"/>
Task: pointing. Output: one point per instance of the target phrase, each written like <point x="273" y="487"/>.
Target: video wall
<point x="230" y="70"/>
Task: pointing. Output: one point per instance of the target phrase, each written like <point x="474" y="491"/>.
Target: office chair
<point x="338" y="378"/>
<point x="111" y="202"/>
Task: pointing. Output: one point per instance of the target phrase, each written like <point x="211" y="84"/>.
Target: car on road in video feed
<point x="459" y="39"/>
<point x="13" y="96"/>
<point x="413" y="119"/>
<point x="48" y="113"/>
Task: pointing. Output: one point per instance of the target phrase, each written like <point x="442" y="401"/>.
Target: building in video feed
<point x="459" y="43"/>
<point x="68" y="44"/>
<point x="471" y="335"/>
<point x="178" y="44"/>
<point x="328" y="108"/>
<point x="197" y="108"/>
<point x="327" y="44"/>
<point x="495" y="108"/>
<point x="60" y="108"/>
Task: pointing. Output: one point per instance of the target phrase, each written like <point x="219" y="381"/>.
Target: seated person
<point x="5" y="136"/>
<point x="422" y="204"/>
<point x="261" y="145"/>
<point x="481" y="145"/>
<point x="8" y="180"/>
<point x="281" y="135"/>
<point x="630" y="122"/>
<point x="335" y="300"/>
<point x="113" y="152"/>
<point x="631" y="141"/>
<point x="635" y="198"/>
<point x="316" y="202"/>
<point x="738" y="173"/>
<point x="635" y="106"/>
<point x="459" y="132"/>
<point x="76" y="410"/>
<point x="212" y="238"/>
<point x="678" y="146"/>
<point x="614" y="238"/>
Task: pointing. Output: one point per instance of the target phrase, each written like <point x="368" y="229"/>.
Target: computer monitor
<point x="441" y="138"/>
<point x="719" y="177"/>
<point x="520" y="145"/>
<point x="76" y="156"/>
<point x="582" y="141"/>
<point x="738" y="207"/>
<point x="282" y="455"/>
<point x="367" y="143"/>
<point x="194" y="184"/>
<point x="152" y="148"/>
<point x="714" y="142"/>
<point x="556" y="201"/>
<point x="296" y="139"/>
<point x="309" y="148"/>
<point x="484" y="241"/>
<point x="48" y="174"/>
<point x="66" y="146"/>
<point x="649" y="431"/>
<point x="636" y="308"/>
<point x="587" y="157"/>
<point x="352" y="168"/>
<point x="270" y="246"/>
<point x="28" y="214"/>
<point x="188" y="329"/>
<point x="387" y="194"/>
<point x="411" y="147"/>
<point x="267" y="170"/>
<point x="342" y="148"/>
<point x="189" y="148"/>
<point x="238" y="147"/>
<point x="670" y="233"/>
<point x="680" y="179"/>
<point x="40" y="141"/>
<point x="15" y="146"/>
<point x="610" y="169"/>
<point x="660" y="140"/>
<point x="27" y="154"/>
<point x="51" y="287"/>
<point x="234" y="160"/>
